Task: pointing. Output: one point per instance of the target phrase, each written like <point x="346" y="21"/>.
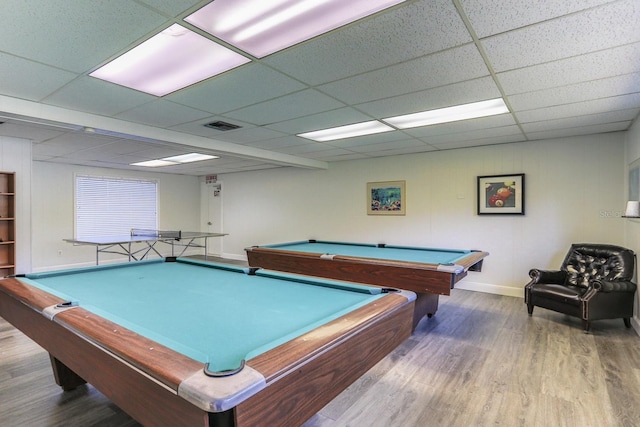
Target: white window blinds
<point x="113" y="206"/>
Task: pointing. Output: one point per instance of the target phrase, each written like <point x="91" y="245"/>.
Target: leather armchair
<point x="594" y="282"/>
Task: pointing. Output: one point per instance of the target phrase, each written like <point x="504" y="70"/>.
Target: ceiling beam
<point x="136" y="131"/>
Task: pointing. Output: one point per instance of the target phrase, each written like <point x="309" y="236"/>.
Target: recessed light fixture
<point x="175" y="160"/>
<point x="262" y="27"/>
<point x="348" y="131"/>
<point x="473" y="110"/>
<point x="172" y="59"/>
<point x="154" y="163"/>
<point x="191" y="157"/>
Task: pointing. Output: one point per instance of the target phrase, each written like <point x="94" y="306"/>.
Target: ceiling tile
<point x="74" y="35"/>
<point x="490" y="17"/>
<point x="162" y="113"/>
<point x="424" y="148"/>
<point x="35" y="133"/>
<point x="82" y="93"/>
<point x="288" y="107"/>
<point x="581" y="121"/>
<point x="172" y="7"/>
<point x="328" y="119"/>
<point x="604" y="88"/>
<point x="336" y="155"/>
<point x="593" y="66"/>
<point x="583" y="130"/>
<point x="123" y="147"/>
<point x="68" y="144"/>
<point x="462" y="126"/>
<point x="465" y="143"/>
<point x="391" y="37"/>
<point x="331" y="153"/>
<point x="445" y="96"/>
<point x="378" y="138"/>
<point x="597" y="106"/>
<point x="30" y="80"/>
<point x="438" y="69"/>
<point x="246" y="85"/>
<point x="511" y="131"/>
<point x="565" y="37"/>
<point x="401" y="144"/>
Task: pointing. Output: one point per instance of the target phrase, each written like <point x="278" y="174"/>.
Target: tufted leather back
<point x="586" y="262"/>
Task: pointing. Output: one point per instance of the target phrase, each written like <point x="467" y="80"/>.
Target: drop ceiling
<point x="564" y="68"/>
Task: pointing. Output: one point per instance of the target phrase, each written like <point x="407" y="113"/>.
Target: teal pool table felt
<point x="212" y="313"/>
<point x="394" y="253"/>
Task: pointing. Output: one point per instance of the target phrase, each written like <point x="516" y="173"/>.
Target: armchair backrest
<point x="586" y="262"/>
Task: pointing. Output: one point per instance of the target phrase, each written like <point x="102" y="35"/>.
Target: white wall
<point x="632" y="226"/>
<point x="574" y="193"/>
<point x="15" y="156"/>
<point x="53" y="211"/>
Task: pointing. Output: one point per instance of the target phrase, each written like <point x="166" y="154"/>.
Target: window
<point x="113" y="206"/>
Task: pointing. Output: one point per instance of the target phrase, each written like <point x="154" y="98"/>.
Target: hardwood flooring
<point x="481" y="361"/>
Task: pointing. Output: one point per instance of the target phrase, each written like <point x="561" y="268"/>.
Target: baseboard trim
<point x="491" y="289"/>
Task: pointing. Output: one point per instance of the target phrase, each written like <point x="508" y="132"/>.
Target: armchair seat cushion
<point x="567" y="294"/>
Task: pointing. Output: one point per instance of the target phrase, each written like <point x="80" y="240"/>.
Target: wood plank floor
<point x="481" y="361"/>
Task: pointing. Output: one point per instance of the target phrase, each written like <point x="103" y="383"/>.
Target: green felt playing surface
<point x="215" y="315"/>
<point x="394" y="253"/>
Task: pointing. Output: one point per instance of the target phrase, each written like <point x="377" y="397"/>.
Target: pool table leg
<point x="425" y="304"/>
<point x="65" y="377"/>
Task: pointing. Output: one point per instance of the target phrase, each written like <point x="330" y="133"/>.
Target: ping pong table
<point x="139" y="244"/>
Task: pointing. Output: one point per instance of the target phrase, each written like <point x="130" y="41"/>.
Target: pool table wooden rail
<point x="143" y="378"/>
<point x="427" y="280"/>
<point x="416" y="277"/>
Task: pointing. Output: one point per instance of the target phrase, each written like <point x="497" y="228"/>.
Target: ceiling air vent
<point x="223" y="126"/>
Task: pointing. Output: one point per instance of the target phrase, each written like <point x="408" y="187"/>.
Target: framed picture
<point x="501" y="194"/>
<point x="386" y="198"/>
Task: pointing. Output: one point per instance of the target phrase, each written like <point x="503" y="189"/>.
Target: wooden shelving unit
<point x="7" y="223"/>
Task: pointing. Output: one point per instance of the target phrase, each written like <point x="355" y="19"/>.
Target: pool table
<point x="184" y="342"/>
<point x="429" y="272"/>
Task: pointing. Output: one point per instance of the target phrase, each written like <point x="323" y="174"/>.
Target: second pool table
<point x="182" y="342"/>
<point x="429" y="272"/>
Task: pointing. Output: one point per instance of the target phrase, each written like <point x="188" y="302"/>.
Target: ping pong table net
<point x="166" y="234"/>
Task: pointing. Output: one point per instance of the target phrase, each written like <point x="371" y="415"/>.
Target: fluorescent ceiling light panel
<point x="348" y="131"/>
<point x="474" y="110"/>
<point x="154" y="163"/>
<point x="172" y="59"/>
<point x="188" y="158"/>
<point x="175" y="160"/>
<point x="261" y="27"/>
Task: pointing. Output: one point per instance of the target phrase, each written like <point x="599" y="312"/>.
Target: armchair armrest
<point x="547" y="276"/>
<point x="614" y="286"/>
